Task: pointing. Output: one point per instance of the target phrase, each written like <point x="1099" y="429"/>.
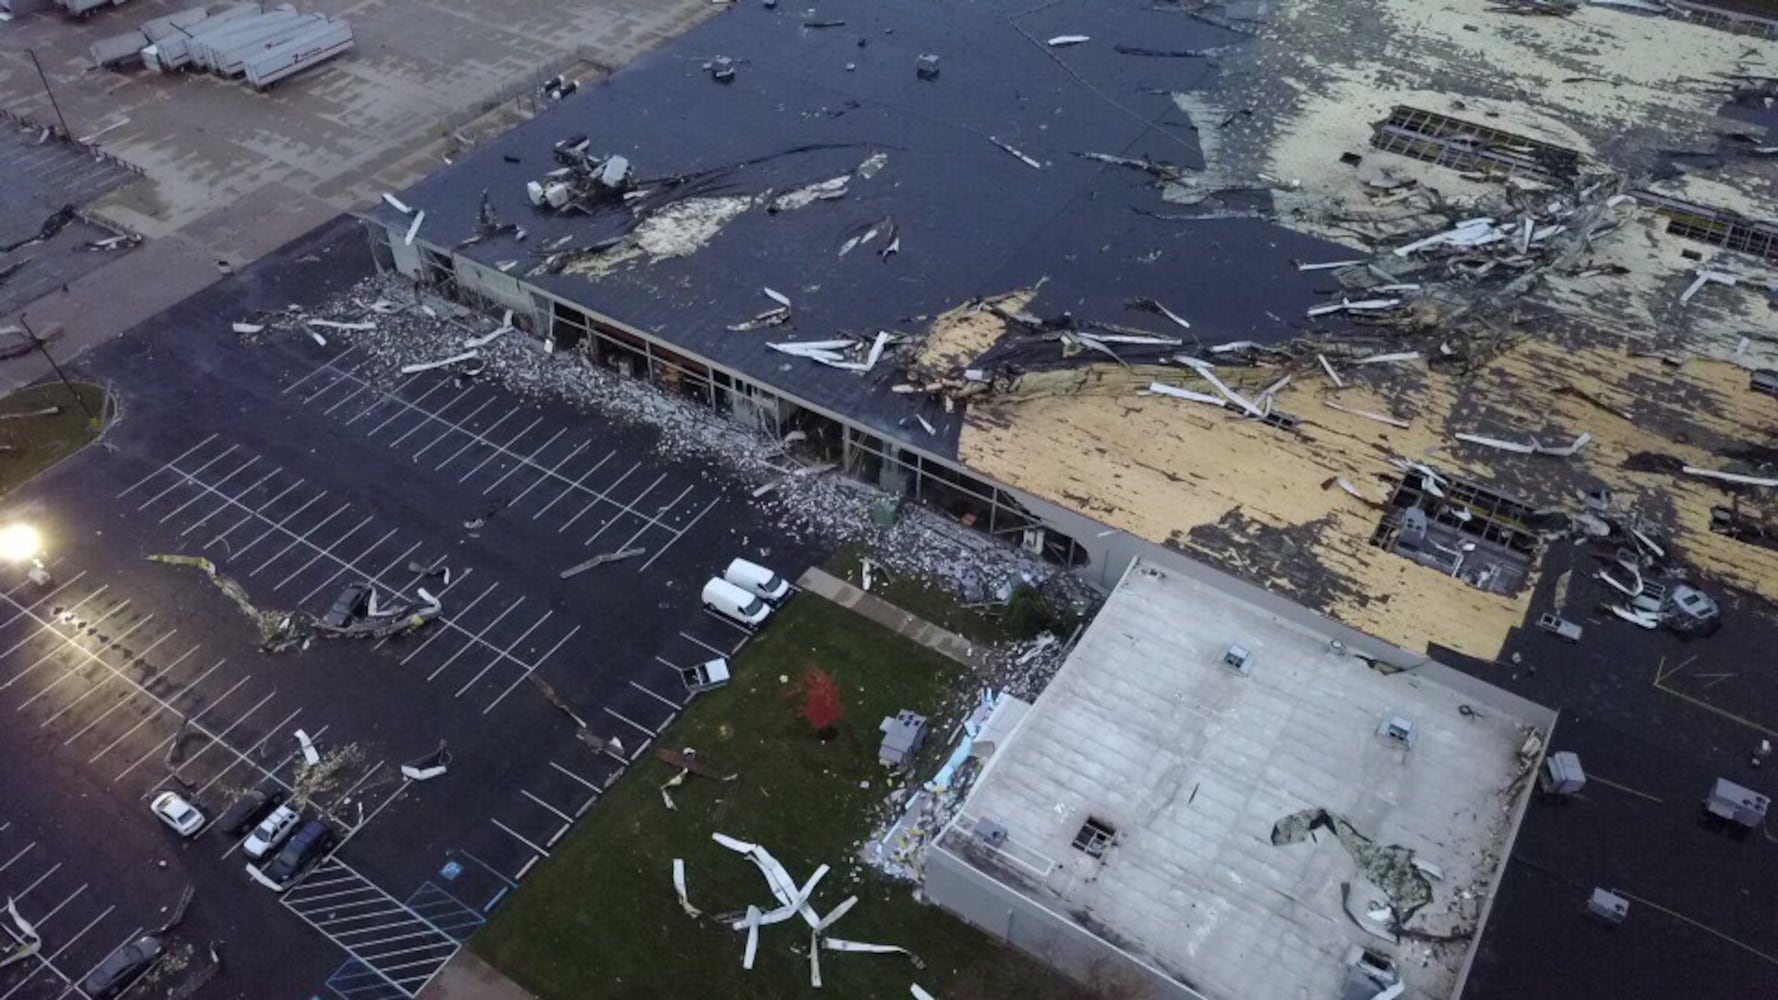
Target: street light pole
<point x="43" y="349"/>
<point x="52" y="94"/>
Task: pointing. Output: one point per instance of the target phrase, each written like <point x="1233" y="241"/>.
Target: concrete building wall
<point x="957" y="886"/>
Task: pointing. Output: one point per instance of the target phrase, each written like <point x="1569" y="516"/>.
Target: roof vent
<point x="1398" y="730"/>
<point x="991" y="833"/>
<point x="1237" y="659"/>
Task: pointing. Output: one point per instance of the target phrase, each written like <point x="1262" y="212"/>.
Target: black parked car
<point x="121" y="967"/>
<point x="352" y="602"/>
<point x="249" y="809"/>
<point x="310" y="841"/>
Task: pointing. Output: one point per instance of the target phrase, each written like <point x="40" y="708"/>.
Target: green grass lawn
<point x="599" y="918"/>
<point x="929" y="600"/>
<point x="29" y="445"/>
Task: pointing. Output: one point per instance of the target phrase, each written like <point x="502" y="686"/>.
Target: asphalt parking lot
<point x="292" y="469"/>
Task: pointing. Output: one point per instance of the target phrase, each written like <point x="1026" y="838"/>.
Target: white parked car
<point x="757" y="580"/>
<point x="177" y="813"/>
<point x="270" y="832"/>
<point x="743" y="607"/>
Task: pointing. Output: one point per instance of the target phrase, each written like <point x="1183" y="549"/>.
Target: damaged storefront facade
<point x="857" y="449"/>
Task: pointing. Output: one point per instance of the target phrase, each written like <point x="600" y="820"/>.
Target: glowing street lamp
<point x="21" y="543"/>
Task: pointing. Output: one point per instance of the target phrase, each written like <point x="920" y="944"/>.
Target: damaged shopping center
<point x="1450" y="324"/>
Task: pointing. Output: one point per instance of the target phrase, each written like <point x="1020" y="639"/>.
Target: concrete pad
<point x="467" y="977"/>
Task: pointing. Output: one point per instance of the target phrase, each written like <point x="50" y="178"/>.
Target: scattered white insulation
<point x="776" y="296"/>
<point x="1531" y="447"/>
<point x="919" y="993"/>
<point x="336" y="325"/>
<point x="1705" y="278"/>
<point x="414" y="229"/>
<point x="422" y="366"/>
<point x="1368" y="415"/>
<point x="397" y="204"/>
<point x="316" y="334"/>
<point x="1730" y="477"/>
<point x="679" y="887"/>
<point x="1162" y="389"/>
<point x="1231" y="395"/>
<point x="1175" y="317"/>
<point x="1346" y="484"/>
<point x="1029" y="162"/>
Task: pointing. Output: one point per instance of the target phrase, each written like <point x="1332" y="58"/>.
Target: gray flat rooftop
<point x="1192" y="763"/>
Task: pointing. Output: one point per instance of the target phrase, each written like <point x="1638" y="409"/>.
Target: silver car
<point x="177" y="813"/>
<point x="271" y="832"/>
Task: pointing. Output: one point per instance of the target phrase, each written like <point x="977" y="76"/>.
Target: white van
<point x="757" y="580"/>
<point x="742" y="607"/>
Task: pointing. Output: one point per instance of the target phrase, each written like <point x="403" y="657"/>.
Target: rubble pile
<point x="403" y="330"/>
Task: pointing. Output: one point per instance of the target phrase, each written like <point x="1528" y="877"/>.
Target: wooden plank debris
<point x="422" y="366"/>
<point x="1029" y="162"/>
<point x="397" y="204"/>
<point x="414" y="230"/>
<point x="1368" y="415"/>
<point x="1730" y="477"/>
<point x="600" y="560"/>
<point x="1338" y="382"/>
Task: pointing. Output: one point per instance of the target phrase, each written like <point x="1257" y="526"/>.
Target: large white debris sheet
<point x="793" y="901"/>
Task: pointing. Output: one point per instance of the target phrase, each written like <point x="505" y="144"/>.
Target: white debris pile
<point x="793" y="901"/>
<point x="401" y="330"/>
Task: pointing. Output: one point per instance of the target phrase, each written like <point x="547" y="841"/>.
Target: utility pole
<point x="52" y="94"/>
<point x="42" y="348"/>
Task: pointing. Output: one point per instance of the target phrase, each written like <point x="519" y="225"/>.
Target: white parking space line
<point x="417" y="650"/>
<point x="73" y="988"/>
<point x="298" y="540"/>
<point x="600" y="496"/>
<point x="217" y="740"/>
<point x="510" y="608"/>
<point x="26" y="891"/>
<point x="576" y="484"/>
<point x="328" y="365"/>
<point x="613" y="520"/>
<point x="508" y="652"/>
<point x="594" y="788"/>
<point x="66" y="643"/>
<point x="529" y="460"/>
<point x="200" y="522"/>
<point x="293" y="574"/>
<point x="121" y="702"/>
<point x="251" y="511"/>
<point x="632" y="722"/>
<point x="33" y="606"/>
<point x="214" y="702"/>
<point x="22" y="852"/>
<point x="521" y="838"/>
<point x="238" y="470"/>
<point x="531" y="669"/>
<point x="681" y="533"/>
<point x="280" y="727"/>
<point x="42" y="627"/>
<point x="351" y="564"/>
<point x="669" y="505"/>
<point x="700" y="642"/>
<point x="475" y="439"/>
<point x="503" y="450"/>
<point x="360" y="366"/>
<point x="214" y="459"/>
<point x="553" y="470"/>
<point x="95" y="688"/>
<point x="40" y="921"/>
<point x="277" y="526"/>
<point x="449" y="427"/>
<point x="153" y="715"/>
<point x="670" y="703"/>
<point x="559" y="814"/>
<point x="59" y="951"/>
<point x="187" y="453"/>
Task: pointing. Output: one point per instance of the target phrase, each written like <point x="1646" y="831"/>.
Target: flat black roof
<point x="973" y="219"/>
<point x="1656" y="718"/>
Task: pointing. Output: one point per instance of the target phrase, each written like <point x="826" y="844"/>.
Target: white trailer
<point x="321" y="43"/>
<point x="174" y="51"/>
<point x="230" y="59"/>
<point x="209" y="51"/>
